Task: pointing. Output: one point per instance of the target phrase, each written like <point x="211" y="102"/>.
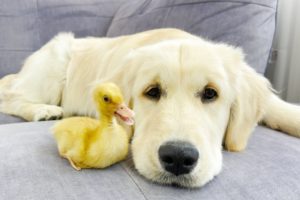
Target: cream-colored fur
<point x="57" y="80"/>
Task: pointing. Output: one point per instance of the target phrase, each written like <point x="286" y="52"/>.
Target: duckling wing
<point x="110" y="147"/>
<point x="72" y="136"/>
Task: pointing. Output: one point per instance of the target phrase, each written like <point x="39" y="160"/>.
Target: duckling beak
<point x="125" y="114"/>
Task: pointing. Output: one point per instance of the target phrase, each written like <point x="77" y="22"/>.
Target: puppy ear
<point x="124" y="76"/>
<point x="251" y="92"/>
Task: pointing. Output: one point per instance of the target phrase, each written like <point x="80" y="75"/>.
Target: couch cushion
<point x="26" y="25"/>
<point x="249" y="24"/>
<point x="30" y="168"/>
<point x="19" y="33"/>
<point x="7" y="119"/>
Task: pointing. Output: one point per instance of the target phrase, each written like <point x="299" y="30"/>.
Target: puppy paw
<point x="48" y="112"/>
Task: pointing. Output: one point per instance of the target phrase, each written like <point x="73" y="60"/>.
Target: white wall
<point x="284" y="69"/>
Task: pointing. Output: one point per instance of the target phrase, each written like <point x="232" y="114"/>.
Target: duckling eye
<point x="106" y="99"/>
<point x="153" y="92"/>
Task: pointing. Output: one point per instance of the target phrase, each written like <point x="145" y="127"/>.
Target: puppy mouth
<point x="183" y="181"/>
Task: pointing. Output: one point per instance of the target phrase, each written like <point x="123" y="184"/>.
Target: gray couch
<point x="30" y="167"/>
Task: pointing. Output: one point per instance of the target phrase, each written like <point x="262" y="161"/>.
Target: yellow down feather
<point x="92" y="143"/>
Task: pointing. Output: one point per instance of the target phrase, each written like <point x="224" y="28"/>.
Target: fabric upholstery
<point x="28" y="24"/>
<point x="30" y="168"/>
<point x="6" y="119"/>
<point x="245" y="23"/>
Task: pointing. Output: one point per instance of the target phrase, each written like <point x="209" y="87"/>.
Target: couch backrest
<point x="26" y="25"/>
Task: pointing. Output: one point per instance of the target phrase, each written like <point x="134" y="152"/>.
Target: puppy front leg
<point x="31" y="111"/>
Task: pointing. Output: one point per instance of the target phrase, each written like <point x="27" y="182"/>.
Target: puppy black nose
<point x="178" y="157"/>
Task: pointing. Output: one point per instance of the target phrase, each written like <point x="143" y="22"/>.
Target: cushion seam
<point x="183" y="4"/>
<point x="132" y="179"/>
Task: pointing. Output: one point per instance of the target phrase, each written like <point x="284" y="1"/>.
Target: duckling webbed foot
<point x="73" y="164"/>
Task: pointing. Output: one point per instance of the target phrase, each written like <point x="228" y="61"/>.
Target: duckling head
<point x="110" y="102"/>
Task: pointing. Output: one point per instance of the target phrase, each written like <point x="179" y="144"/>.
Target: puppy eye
<point x="209" y="94"/>
<point x="153" y="92"/>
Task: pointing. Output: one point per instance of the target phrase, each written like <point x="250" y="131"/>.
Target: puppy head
<point x="184" y="94"/>
<point x="182" y="99"/>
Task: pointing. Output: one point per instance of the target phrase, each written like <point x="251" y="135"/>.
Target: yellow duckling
<point x="91" y="143"/>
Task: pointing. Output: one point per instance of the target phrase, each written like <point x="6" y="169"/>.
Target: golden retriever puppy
<point x="190" y="96"/>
